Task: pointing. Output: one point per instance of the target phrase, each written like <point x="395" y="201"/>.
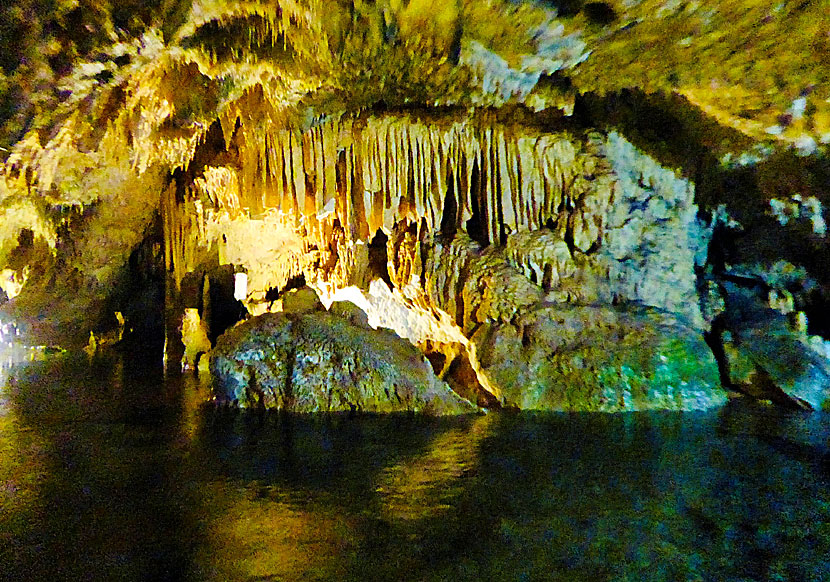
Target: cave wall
<point x="610" y="223"/>
<point x="472" y="221"/>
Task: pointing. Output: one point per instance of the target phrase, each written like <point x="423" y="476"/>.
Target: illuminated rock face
<point x="587" y="217"/>
<point x="486" y="226"/>
<point x="321" y="362"/>
<point x="581" y="358"/>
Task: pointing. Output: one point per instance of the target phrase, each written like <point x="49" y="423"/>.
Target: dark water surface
<point x="109" y="473"/>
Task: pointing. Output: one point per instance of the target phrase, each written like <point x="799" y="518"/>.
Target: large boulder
<point x="769" y="354"/>
<point x="769" y="361"/>
<point x="585" y="358"/>
<point x="322" y="362"/>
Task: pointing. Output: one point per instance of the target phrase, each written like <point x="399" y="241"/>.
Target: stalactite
<point x="329" y="145"/>
<point x="288" y="195"/>
<point x="297" y="171"/>
<point x="347" y="178"/>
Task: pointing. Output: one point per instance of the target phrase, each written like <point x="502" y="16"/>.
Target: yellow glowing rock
<point x="12" y="282"/>
<point x="194" y="337"/>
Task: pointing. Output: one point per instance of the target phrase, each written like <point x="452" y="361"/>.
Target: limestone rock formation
<point x="770" y="354"/>
<point x="300" y="301"/>
<point x="581" y="358"/>
<point x="321" y="362"/>
<point x="570" y="354"/>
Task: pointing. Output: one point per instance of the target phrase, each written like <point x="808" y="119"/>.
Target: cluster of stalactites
<point x="473" y="174"/>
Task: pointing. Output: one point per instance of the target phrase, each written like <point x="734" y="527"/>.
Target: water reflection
<point x="22" y="467"/>
<point x="107" y="472"/>
<point x="99" y="507"/>
<point x="425" y="487"/>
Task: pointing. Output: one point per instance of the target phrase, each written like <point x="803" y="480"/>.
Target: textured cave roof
<point x="175" y="66"/>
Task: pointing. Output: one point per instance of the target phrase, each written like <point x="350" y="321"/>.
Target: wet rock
<point x="586" y="358"/>
<point x="768" y="260"/>
<point x="321" y="362"/>
<point x="350" y="312"/>
<point x="768" y="356"/>
<point x="194" y="337"/>
<point x="302" y="300"/>
<point x="476" y="286"/>
<point x="653" y="239"/>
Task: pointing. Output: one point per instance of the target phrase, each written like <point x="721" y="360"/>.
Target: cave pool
<point x="109" y="471"/>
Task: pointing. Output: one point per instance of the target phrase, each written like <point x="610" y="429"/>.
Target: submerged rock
<point x="581" y="358"/>
<point x="769" y="358"/>
<point x="322" y="362"/>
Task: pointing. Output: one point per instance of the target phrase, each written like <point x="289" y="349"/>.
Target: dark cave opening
<point x="600" y="13"/>
<point x="225" y="310"/>
<point x="294" y="282"/>
<point x="378" y="258"/>
<point x="477" y="226"/>
<point x="449" y="218"/>
<point x="139" y="297"/>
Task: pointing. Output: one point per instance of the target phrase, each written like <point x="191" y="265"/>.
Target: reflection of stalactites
<point x="256" y="536"/>
<point x="427" y="485"/>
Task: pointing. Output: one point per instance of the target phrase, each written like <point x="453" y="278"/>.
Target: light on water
<point x="109" y="472"/>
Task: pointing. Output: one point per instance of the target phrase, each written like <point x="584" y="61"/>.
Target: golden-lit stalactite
<point x="144" y="107"/>
<point x="314" y="200"/>
<point x="281" y="137"/>
<point x="412" y="315"/>
<point x="360" y="175"/>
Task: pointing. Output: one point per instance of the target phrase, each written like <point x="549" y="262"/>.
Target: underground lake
<point x="414" y="290"/>
<point x="110" y="472"/>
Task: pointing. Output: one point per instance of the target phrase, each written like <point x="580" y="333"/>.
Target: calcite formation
<point x="318" y="361"/>
<point x="507" y="184"/>
<point x="597" y="358"/>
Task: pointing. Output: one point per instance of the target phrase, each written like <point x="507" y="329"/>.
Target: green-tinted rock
<point x="599" y="359"/>
<point x="350" y="312"/>
<point x="771" y="357"/>
<point x="302" y="300"/>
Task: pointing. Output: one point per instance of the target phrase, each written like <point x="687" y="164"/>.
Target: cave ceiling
<point x="172" y="68"/>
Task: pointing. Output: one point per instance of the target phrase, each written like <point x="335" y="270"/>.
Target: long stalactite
<point x="471" y="173"/>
